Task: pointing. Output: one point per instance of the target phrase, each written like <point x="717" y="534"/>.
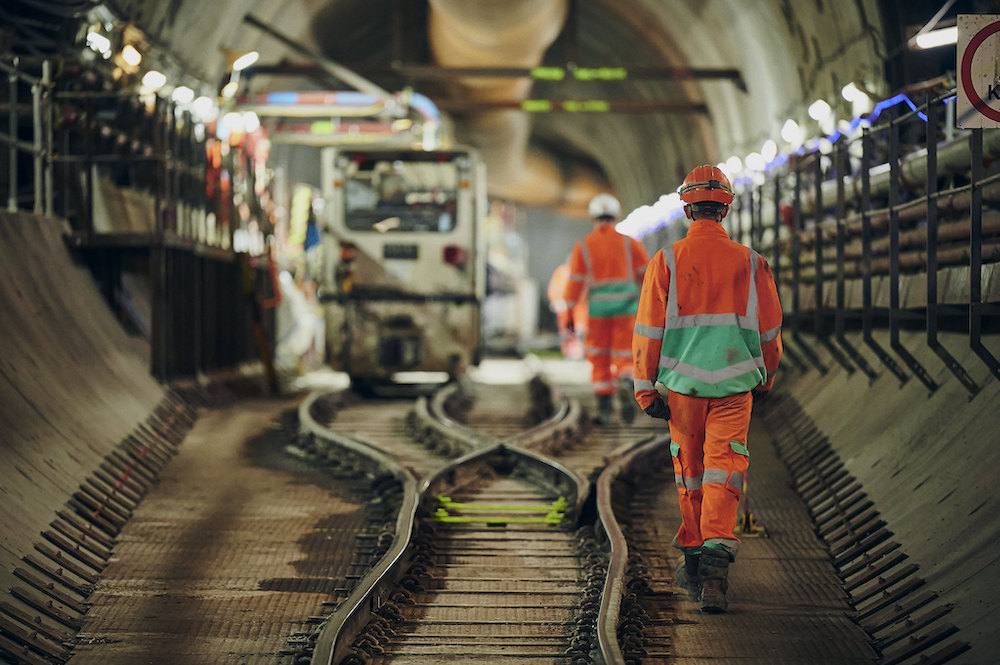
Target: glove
<point x="570" y="326"/>
<point x="658" y="409"/>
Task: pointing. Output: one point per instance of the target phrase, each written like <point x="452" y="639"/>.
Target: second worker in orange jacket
<point x="708" y="329"/>
<point x="610" y="265"/>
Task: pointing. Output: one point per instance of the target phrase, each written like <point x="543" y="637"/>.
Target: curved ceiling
<point x="787" y="53"/>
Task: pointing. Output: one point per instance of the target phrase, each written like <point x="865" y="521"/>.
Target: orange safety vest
<point x="709" y="319"/>
<point x="611" y="266"/>
<point x="558" y="284"/>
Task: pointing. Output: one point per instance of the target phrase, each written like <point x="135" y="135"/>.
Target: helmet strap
<point x="708" y="210"/>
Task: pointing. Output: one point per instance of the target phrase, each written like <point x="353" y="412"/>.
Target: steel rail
<point x="335" y="640"/>
<point x="614" y="583"/>
<point x="356" y="610"/>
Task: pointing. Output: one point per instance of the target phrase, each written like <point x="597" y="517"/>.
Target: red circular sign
<point x="966" y="72"/>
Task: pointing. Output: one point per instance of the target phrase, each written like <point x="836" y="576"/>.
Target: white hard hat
<point x="604" y="205"/>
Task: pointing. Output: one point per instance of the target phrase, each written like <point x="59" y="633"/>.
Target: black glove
<point x="658" y="409"/>
<point x="570" y="326"/>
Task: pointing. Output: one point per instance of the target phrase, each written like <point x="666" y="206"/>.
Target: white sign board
<point x="978" y="67"/>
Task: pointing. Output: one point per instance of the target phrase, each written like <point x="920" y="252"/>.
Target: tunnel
<point x="177" y="267"/>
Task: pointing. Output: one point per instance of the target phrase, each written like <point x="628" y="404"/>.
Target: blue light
<point x="283" y="98"/>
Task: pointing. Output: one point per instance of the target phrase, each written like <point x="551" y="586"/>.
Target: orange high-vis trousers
<point x="709" y="449"/>
<point x="609" y="350"/>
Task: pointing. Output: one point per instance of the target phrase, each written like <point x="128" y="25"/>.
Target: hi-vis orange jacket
<point x="610" y="264"/>
<point x="709" y="320"/>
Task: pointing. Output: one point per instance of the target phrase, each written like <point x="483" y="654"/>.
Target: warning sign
<point x="978" y="66"/>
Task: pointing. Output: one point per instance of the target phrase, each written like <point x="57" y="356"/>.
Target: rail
<point x="355" y="611"/>
<point x="614" y="584"/>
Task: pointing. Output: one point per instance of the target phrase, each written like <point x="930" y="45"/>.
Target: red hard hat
<point x="706" y="183"/>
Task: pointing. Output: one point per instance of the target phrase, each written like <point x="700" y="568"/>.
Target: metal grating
<point x="889" y="598"/>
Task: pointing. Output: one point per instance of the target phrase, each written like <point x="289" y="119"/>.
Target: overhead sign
<point x="978" y="66"/>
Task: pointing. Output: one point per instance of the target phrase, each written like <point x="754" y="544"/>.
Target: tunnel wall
<point x="928" y="461"/>
<point x="72" y="383"/>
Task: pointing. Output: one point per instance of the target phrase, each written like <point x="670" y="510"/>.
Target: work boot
<point x="626" y="401"/>
<point x="687" y="574"/>
<point x="605" y="410"/>
<point x="713" y="569"/>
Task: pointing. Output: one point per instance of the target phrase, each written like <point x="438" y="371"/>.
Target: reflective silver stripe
<point x="728" y="319"/>
<point x="716" y="476"/>
<point x="674" y="320"/>
<point x="673" y="315"/>
<point x="604" y="384"/>
<point x="598" y="350"/>
<point x="770" y="335"/>
<point x="614" y="281"/>
<point x="752" y="294"/>
<point x="707" y="376"/>
<point x="642" y="384"/>
<point x="578" y="278"/>
<point x="723" y="477"/>
<point x="649" y="332"/>
<point x="690" y="484"/>
<point x="619" y="353"/>
<point x="586" y="257"/>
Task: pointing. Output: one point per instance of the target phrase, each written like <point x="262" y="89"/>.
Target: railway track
<point x="497" y="557"/>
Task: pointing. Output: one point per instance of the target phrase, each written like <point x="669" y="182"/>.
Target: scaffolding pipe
<point x="952" y="158"/>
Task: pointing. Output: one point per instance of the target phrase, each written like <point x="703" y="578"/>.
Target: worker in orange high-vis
<point x="709" y="330"/>
<point x="610" y="266"/>
<point x="571" y="323"/>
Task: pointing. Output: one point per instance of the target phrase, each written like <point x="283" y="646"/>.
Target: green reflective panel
<point x="548" y="73"/>
<point x="739" y="448"/>
<point x="612" y="308"/>
<point x="536" y="105"/>
<point x="675" y="449"/>
<point x="600" y="73"/>
<point x="711" y="347"/>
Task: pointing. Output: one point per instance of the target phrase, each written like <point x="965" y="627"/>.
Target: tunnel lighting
<point x="182" y="95"/>
<point x="850" y="92"/>
<point x="402" y="125"/>
<point x="233" y="121"/>
<point x="203" y="107"/>
<point x="154" y="80"/>
<point x="245" y="61"/>
<point x="648" y="218"/>
<point x="769" y="150"/>
<point x="250" y="122"/>
<point x="98" y="42"/>
<point x="734" y="164"/>
<point x="229" y="90"/>
<point x="792" y="133"/>
<point x="131" y="55"/>
<point x="936" y="38"/>
<point x="755" y="161"/>
<point x="819" y="110"/>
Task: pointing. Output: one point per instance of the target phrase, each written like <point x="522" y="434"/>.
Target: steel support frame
<point x="776" y="272"/>
<point x="840" y="166"/>
<point x="894" y="308"/>
<point x="867" y="309"/>
<point x="976" y="305"/>
<point x="796" y="274"/>
<point x="819" y="310"/>
<point x="933" y="307"/>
